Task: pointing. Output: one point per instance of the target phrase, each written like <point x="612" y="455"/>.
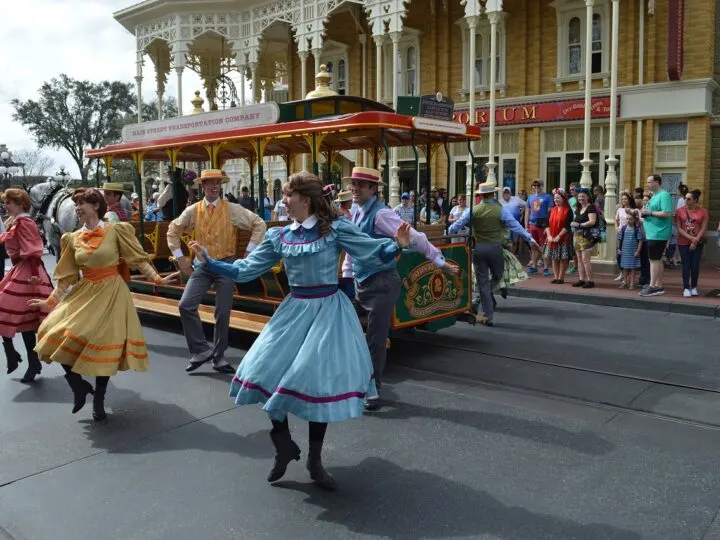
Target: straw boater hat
<point x="344" y="196"/>
<point x="366" y="174"/>
<point x="485" y="188"/>
<point x="211" y="174"/>
<point x="117" y="187"/>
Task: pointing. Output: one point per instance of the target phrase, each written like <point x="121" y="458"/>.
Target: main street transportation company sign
<point x="215" y="121"/>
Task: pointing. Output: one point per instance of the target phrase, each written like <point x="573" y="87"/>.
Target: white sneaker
<point x="620" y="276"/>
<point x="693" y="291"/>
<point x="686" y="293"/>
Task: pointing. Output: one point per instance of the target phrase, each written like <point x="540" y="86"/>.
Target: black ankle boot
<point x="80" y="387"/>
<point x="285" y="451"/>
<point x="34" y="367"/>
<point x="99" y="399"/>
<point x="317" y="472"/>
<point x="12" y="356"/>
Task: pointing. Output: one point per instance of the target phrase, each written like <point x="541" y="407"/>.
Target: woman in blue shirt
<point x="311" y="359"/>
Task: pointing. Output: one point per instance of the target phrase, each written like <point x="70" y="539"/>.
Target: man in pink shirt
<point x="377" y="288"/>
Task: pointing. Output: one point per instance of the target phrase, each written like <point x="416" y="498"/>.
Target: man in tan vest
<point x="215" y="222"/>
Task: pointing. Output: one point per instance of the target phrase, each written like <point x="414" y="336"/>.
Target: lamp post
<point x="493" y="9"/>
<point x="62" y="175"/>
<point x="8" y="168"/>
<point x="586" y="177"/>
<point x="611" y="179"/>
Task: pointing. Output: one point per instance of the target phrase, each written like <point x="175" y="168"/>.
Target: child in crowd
<point x="630" y="240"/>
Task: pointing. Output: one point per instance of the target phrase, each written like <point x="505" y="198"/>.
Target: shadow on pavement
<point x="134" y="424"/>
<point x="584" y="442"/>
<point x="379" y="498"/>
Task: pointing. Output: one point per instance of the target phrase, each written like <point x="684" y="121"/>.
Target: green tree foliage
<point x="76" y="115"/>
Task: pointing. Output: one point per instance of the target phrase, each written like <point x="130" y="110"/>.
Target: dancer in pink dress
<point x="26" y="280"/>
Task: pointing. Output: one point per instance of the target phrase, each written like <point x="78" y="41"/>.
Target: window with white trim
<point x="408" y="65"/>
<point x="671" y="145"/>
<point x="482" y="55"/>
<point x="335" y="57"/>
<point x="572" y="28"/>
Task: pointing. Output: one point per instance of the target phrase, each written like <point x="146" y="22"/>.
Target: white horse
<point x="54" y="211"/>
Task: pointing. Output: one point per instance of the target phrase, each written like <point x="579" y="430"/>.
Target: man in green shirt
<point x="658" y="216"/>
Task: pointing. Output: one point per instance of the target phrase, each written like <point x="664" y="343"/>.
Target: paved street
<point x="451" y="457"/>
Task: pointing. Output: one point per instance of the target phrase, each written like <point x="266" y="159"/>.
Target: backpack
<point x="598" y="232"/>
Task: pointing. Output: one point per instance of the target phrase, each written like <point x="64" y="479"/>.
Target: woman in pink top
<point x="27" y="280"/>
<point x="691" y="221"/>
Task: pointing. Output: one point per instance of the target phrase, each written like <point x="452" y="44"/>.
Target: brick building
<point x="667" y="89"/>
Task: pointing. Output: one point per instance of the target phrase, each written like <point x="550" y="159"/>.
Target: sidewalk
<point x="606" y="292"/>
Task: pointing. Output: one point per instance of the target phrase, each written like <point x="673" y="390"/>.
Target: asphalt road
<point x="528" y="441"/>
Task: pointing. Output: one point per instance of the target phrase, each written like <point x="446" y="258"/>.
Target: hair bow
<point x="329" y="191"/>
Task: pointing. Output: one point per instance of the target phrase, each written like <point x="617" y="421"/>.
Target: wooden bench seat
<point x="239" y="320"/>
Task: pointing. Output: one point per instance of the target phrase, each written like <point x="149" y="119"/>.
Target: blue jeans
<point x="690" y="265"/>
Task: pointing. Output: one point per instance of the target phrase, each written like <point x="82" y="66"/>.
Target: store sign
<point x="210" y="122"/>
<point x="535" y="113"/>
<point x="436" y="106"/>
<point x="427" y="293"/>
<point x="441" y="126"/>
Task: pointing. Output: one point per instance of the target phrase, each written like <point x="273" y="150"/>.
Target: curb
<point x="701" y="310"/>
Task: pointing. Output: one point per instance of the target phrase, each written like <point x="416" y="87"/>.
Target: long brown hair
<point x="308" y="185"/>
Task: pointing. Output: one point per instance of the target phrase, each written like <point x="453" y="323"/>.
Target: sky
<point x="41" y="39"/>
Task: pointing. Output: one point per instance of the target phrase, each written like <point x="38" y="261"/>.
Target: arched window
<point x="330" y="69"/>
<point x="597" y="43"/>
<point x="478" y="60"/>
<point x="410" y="71"/>
<point x="340" y="88"/>
<point x="574" y="46"/>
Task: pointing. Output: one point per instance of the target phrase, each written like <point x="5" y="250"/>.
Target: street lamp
<point x="62" y="174"/>
<point x="8" y="168"/>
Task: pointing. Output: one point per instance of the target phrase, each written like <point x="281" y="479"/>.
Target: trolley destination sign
<point x="214" y="121"/>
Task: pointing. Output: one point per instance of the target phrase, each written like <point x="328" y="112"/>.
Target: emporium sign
<point x="210" y="122"/>
<point x="534" y="113"/>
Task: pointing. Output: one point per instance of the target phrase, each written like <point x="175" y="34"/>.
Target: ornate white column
<point x="138" y="81"/>
<point x="363" y="43"/>
<point x="611" y="179"/>
<point x="242" y="85"/>
<point x="316" y="55"/>
<point x="253" y="74"/>
<point x="178" y="52"/>
<point x="378" y="66"/>
<point x="472" y="22"/>
<point x="493" y="8"/>
<point x="586" y="177"/>
<point x="303" y="73"/>
<point x="394" y="169"/>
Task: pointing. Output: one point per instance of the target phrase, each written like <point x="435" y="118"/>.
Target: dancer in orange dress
<point x="94" y="330"/>
<point x="26" y="280"/>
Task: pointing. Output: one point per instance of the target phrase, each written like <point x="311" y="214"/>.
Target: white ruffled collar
<point x="100" y="224"/>
<point x="309" y="223"/>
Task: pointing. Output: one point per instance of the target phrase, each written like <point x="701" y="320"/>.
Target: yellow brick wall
<point x="698" y="159"/>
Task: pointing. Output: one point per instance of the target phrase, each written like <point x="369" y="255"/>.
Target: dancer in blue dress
<point x="311" y="359"/>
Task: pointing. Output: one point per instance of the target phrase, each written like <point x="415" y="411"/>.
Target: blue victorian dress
<point x="311" y="359"/>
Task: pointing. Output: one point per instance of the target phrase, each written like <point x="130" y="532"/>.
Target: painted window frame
<point x="482" y="30"/>
<point x="334" y="52"/>
<point x="566" y="10"/>
<point x="410" y="39"/>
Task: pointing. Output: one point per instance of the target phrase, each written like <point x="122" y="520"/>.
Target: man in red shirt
<point x="113" y="192"/>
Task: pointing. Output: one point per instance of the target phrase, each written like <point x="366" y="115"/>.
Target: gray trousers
<point x="377" y="296"/>
<point x="197" y="286"/>
<point x="488" y="260"/>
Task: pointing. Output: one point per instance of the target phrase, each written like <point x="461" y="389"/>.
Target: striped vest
<point x="215" y="232"/>
<point x="365" y="219"/>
